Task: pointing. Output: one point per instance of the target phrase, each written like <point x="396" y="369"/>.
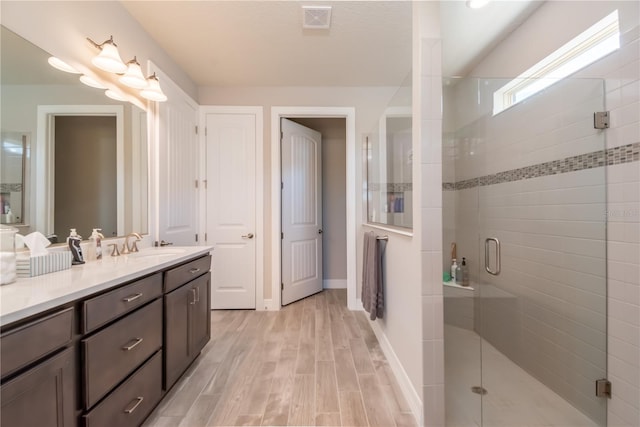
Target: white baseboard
<point x="334" y="284"/>
<point x="267" y="305"/>
<point x="407" y="388"/>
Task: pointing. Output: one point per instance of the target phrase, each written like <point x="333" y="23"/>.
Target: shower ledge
<point x="455" y="285"/>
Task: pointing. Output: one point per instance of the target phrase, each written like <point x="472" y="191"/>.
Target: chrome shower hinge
<point x="603" y="388"/>
<point x="601" y="120"/>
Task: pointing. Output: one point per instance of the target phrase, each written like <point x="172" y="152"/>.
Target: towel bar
<point x="382" y="237"/>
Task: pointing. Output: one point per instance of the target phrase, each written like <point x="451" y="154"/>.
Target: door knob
<point x="248" y="236"/>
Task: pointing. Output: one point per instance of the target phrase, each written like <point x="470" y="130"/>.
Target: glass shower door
<point x="542" y="240"/>
<point x="529" y="201"/>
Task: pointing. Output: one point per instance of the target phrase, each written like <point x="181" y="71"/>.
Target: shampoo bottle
<point x="95" y="244"/>
<point x="465" y="273"/>
<point x="74" y="240"/>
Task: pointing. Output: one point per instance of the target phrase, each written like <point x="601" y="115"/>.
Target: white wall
<point x="368" y="102"/>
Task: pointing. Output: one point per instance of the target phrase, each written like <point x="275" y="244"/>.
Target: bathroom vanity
<point x="102" y="343"/>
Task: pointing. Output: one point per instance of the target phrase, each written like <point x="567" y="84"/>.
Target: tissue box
<point x="30" y="266"/>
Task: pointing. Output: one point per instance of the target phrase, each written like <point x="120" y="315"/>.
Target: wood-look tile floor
<point x="312" y="363"/>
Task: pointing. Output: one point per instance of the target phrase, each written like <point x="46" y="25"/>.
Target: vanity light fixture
<point x="476" y="4"/>
<point x="91" y="82"/>
<point x="61" y="65"/>
<point x="114" y="95"/>
<point x="153" y="92"/>
<point x="134" y="77"/>
<point x="108" y="59"/>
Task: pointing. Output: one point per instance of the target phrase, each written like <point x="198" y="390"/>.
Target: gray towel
<point x="372" y="292"/>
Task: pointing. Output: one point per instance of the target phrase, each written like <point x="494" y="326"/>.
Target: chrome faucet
<point x="126" y="249"/>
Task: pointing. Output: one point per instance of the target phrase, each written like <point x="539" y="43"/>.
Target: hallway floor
<point x="312" y="363"/>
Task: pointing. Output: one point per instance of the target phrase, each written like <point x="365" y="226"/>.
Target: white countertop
<point x="26" y="297"/>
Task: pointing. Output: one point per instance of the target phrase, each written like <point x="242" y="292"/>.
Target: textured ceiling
<point x="262" y="43"/>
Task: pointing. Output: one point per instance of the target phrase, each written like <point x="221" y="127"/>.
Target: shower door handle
<point x="487" y="266"/>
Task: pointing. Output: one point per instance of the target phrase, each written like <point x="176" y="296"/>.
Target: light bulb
<point x="153" y="92"/>
<point x="90" y="81"/>
<point x="61" y="65"/>
<point x="109" y="59"/>
<point x="134" y="77"/>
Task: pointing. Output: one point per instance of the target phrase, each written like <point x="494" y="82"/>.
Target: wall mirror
<point x="390" y="164"/>
<point x="70" y="157"/>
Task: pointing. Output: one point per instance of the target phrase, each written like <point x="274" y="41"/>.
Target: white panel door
<point x="231" y="208"/>
<point x="301" y="212"/>
<point x="177" y="169"/>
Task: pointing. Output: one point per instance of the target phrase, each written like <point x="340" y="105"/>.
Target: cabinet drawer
<point x="106" y="307"/>
<point x="28" y="343"/>
<point x="111" y="354"/>
<point x="178" y="276"/>
<point x="133" y="400"/>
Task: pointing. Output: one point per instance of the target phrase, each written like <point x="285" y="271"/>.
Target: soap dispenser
<point x="95" y="245"/>
<point x="74" y="240"/>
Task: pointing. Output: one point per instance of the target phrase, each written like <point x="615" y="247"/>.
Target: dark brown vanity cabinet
<point x="43" y="390"/>
<point x="100" y="361"/>
<point x="187" y="316"/>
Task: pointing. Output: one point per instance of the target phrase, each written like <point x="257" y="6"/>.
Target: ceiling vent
<point x="316" y="17"/>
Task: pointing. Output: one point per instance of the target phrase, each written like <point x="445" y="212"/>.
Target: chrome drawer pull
<point x="193" y="290"/>
<point x="130" y="347"/>
<point x="194" y="270"/>
<point x="131" y="297"/>
<point x="138" y="400"/>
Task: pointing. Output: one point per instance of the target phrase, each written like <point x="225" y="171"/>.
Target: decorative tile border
<point x="10" y="188"/>
<point x="613" y="156"/>
<point x="391" y="187"/>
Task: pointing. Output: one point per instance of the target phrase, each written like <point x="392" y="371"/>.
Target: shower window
<point x="594" y="43"/>
<point x="389" y="170"/>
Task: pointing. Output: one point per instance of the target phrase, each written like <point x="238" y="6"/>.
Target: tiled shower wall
<point x="554" y="246"/>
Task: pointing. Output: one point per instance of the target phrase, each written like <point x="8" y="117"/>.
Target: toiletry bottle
<point x="74" y="240"/>
<point x="459" y="274"/>
<point x="464" y="269"/>
<point x="95" y="245"/>
<point x="454" y="267"/>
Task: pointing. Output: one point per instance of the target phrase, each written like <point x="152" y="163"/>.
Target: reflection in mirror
<point x="109" y="188"/>
<point x="390" y="164"/>
<point x="13" y="154"/>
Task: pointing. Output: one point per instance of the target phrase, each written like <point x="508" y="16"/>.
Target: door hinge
<point x="196" y="183"/>
<point x="282" y="286"/>
<point x="601" y="120"/>
<point x="204" y="181"/>
<point x="205" y="237"/>
<point x="196" y="237"/>
<point x="281" y="135"/>
<point x="196" y="129"/>
<point x="205" y="131"/>
<point x="281" y="235"/>
<point x="603" y="388"/>
<point x="282" y="185"/>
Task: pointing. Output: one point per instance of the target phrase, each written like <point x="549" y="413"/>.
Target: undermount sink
<point x="156" y="252"/>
